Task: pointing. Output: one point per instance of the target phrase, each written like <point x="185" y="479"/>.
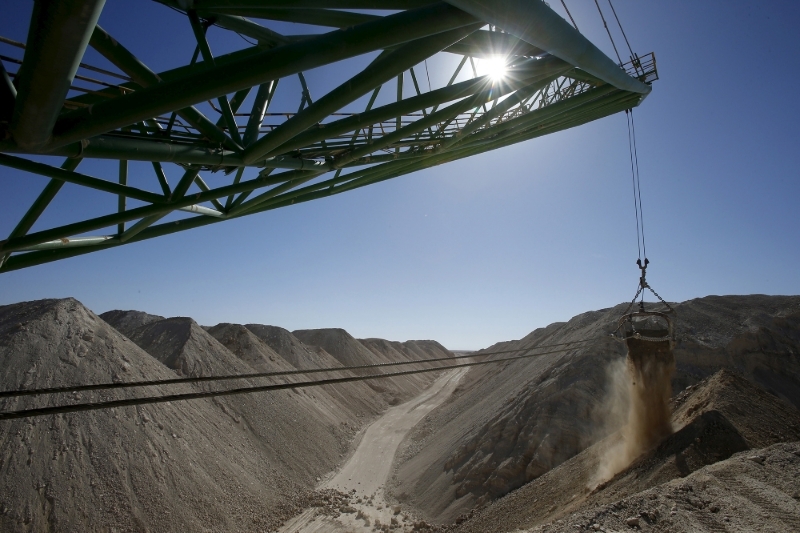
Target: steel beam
<point x="205" y="188"/>
<point x="260" y="199"/>
<point x="256" y="69"/>
<point x="195" y="68"/>
<point x="308" y="142"/>
<point x="39" y="205"/>
<point x="80" y="179"/>
<point x="377" y="174"/>
<point x="123" y="59"/>
<point x="140" y="226"/>
<point x="604" y="101"/>
<point x="264" y="36"/>
<point x="493" y="113"/>
<point x="379" y="114"/>
<point x="315" y="17"/>
<point x="236" y="102"/>
<point x="199" y="209"/>
<point x="321" y="190"/>
<point x="354" y="180"/>
<point x="310" y="4"/>
<point x="519" y="76"/>
<point x="8" y="95"/>
<point x="42" y="201"/>
<point x="186" y="181"/>
<point x="208" y="57"/>
<point x="491" y="43"/>
<point x="543" y="114"/>
<point x="12" y="245"/>
<point x="141" y="149"/>
<point x="122" y="200"/>
<point x="389" y="139"/>
<point x="534" y="22"/>
<point x="73" y="242"/>
<point x="382" y="69"/>
<point x="260" y="105"/>
<point x="162" y="179"/>
<point x="57" y="38"/>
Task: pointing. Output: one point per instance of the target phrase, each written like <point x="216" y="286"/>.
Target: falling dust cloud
<point x="637" y="405"/>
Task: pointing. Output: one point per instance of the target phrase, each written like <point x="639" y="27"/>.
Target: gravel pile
<point x="723" y="416"/>
<point x="239" y="463"/>
<point x="507" y="425"/>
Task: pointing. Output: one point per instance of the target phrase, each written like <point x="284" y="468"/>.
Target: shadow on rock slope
<point x="164" y="467"/>
<point x="508" y="424"/>
<point x="236" y="463"/>
<point x="350" y="352"/>
<point x="723" y="415"/>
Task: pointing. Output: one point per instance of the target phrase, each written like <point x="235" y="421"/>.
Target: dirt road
<point x="368" y="468"/>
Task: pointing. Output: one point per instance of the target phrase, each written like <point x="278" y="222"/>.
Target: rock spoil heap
<point x="734" y="455"/>
<point x="237" y="463"/>
<point x="510" y="424"/>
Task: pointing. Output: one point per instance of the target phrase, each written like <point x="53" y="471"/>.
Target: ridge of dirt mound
<point x="757" y="336"/>
<point x="288" y="422"/>
<point x="356" y="398"/>
<point x="408" y="350"/>
<point x="759" y="417"/>
<point x="164" y="467"/>
<point x="226" y="464"/>
<point x="182" y="345"/>
<point x="249" y="348"/>
<point x="340" y="344"/>
<point x="127" y="321"/>
<point x="507" y="424"/>
<point x="755" y="490"/>
<point x="712" y="425"/>
<point x="428" y="347"/>
<point x="289" y="347"/>
<point x="55" y="343"/>
<point x="350" y="352"/>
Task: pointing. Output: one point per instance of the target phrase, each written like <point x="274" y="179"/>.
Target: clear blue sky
<point x="489" y="248"/>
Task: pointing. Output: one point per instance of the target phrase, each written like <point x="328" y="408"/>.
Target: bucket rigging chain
<point x="644" y="285"/>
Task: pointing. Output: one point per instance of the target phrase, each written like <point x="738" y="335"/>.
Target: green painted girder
<point x="259" y="68"/>
<point x="128" y="63"/>
<point x="57" y="38"/>
<point x="556" y="80"/>
<point x="381" y="70"/>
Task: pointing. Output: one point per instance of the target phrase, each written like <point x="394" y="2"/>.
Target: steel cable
<point x="563" y="3"/>
<point x="636" y="199"/>
<point x="608" y="31"/>
<point x="207" y="379"/>
<point x="620" y="29"/>
<point x="93" y="406"/>
<point x="638" y="184"/>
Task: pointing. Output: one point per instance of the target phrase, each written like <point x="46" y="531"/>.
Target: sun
<point x="495" y="67"/>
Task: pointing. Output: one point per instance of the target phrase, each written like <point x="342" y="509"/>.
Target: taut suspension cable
<point x="608" y="31"/>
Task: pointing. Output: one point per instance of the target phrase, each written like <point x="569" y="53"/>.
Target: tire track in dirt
<point x="366" y="472"/>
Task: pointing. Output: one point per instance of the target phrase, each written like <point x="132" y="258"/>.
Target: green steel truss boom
<point x="215" y="116"/>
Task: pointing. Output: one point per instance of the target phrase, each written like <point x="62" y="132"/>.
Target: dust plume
<point x="637" y="405"/>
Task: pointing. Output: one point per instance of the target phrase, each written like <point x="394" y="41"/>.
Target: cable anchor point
<point x="642" y="281"/>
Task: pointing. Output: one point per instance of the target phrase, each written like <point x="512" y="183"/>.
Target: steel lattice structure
<point x="192" y="117"/>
